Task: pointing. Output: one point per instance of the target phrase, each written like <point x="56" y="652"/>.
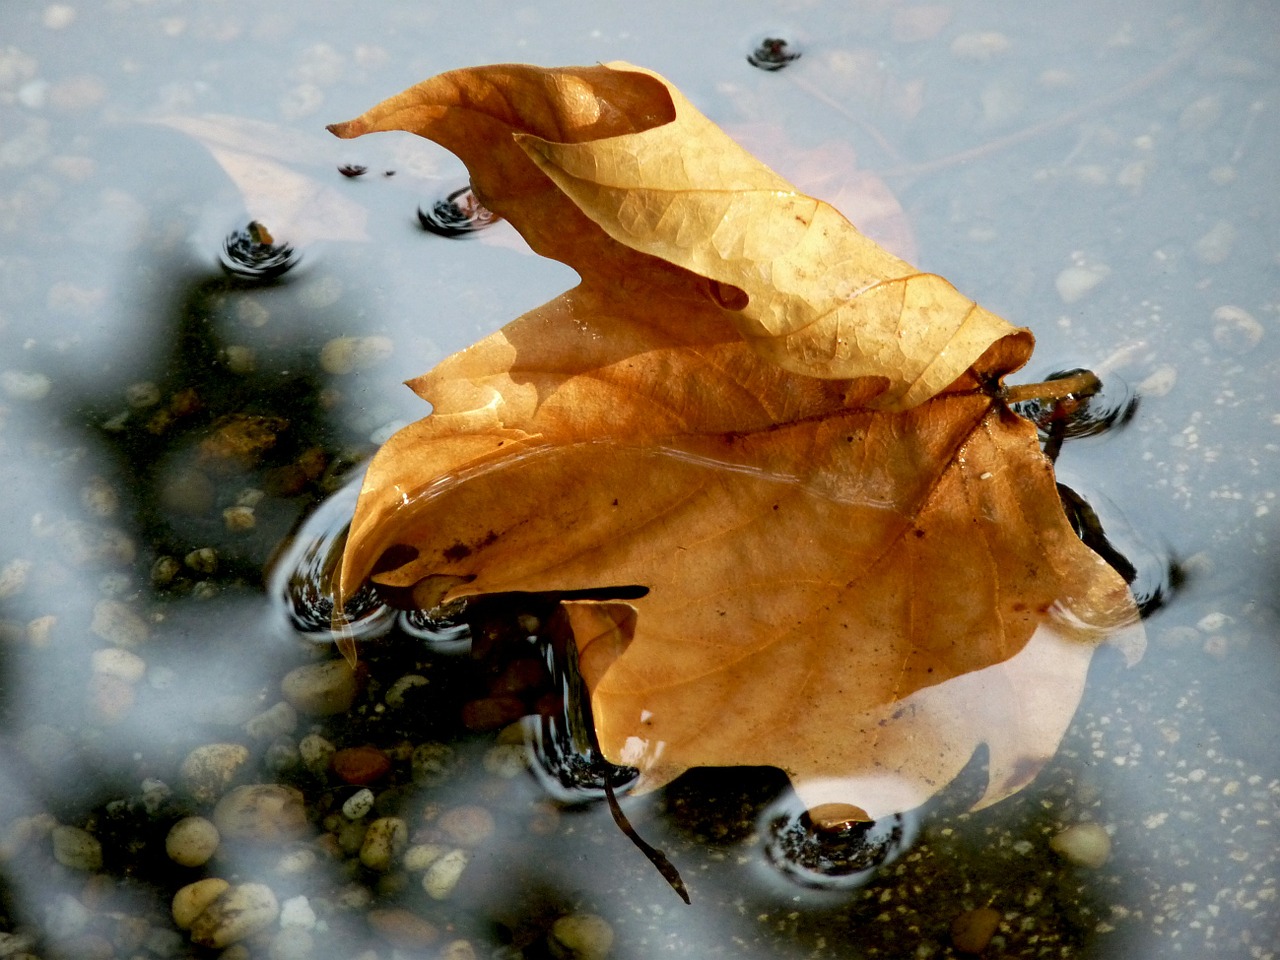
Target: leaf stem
<point x="656" y="857"/>
<point x="1082" y="383"/>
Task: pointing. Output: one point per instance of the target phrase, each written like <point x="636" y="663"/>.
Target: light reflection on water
<point x="1121" y="237"/>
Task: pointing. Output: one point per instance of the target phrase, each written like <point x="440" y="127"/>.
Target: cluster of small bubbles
<point x="456" y="216"/>
<point x="252" y="254"/>
<point x="842" y="857"/>
<point x="772" y="54"/>
<point x="1112" y="406"/>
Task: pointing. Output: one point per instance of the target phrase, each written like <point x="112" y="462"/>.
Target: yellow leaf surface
<point x="776" y="428"/>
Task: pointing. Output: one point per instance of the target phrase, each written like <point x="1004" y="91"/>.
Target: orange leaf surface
<point x="856" y="564"/>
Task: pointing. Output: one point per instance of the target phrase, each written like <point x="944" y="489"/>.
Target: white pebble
<point x="297" y="912"/>
<point x="1159" y="382"/>
<point x="119" y="663"/>
<point x="442" y="876"/>
<point x="1216" y="244"/>
<point x="358" y="804"/>
<point x="58" y="16"/>
<point x="343" y="355"/>
<point x="1074" y="283"/>
<point x="14" y="577"/>
<point x="66" y="916"/>
<point x="979" y="46"/>
<point x="422" y="855"/>
<point x="142" y="394"/>
<point x="25" y="385"/>
<point x="1236" y="329"/>
<point x="296" y="862"/>
<point x="292" y="943"/>
<point x="1085" y="844"/>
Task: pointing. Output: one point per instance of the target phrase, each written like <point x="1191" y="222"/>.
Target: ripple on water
<point x="252" y="255"/>
<point x="302" y="580"/>
<point x="457" y="216"/>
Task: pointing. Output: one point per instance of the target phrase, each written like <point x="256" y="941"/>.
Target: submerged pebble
<point x="119" y="663"/>
<point x="25" y="385"/>
<point x="972" y="931"/>
<point x="277" y="720"/>
<point x="1084" y="844"/>
<point x="358" y="805"/>
<point x="76" y="848"/>
<point x="238" y="913"/>
<point x="261" y="813"/>
<point x="979" y="46"/>
<point x="360" y="765"/>
<point x="467" y="826"/>
<point x="192" y="841"/>
<point x="402" y="928"/>
<point x="458" y="950"/>
<point x="209" y="769"/>
<point x="442" y="876"/>
<point x="1074" y="283"/>
<point x="316" y="753"/>
<point x="118" y="624"/>
<point x="192" y="900"/>
<point x="1215" y="246"/>
<point x="580" y="936"/>
<point x="320" y="689"/>
<point x="384" y="841"/>
<point x="1236" y="329"/>
<point x="344" y="355"/>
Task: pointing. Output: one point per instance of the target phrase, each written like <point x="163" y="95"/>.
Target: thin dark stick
<point x="656" y="857"/>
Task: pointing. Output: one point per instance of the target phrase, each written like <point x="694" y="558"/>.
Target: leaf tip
<point x="347" y="129"/>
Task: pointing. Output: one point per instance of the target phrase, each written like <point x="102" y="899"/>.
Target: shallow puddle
<point x="207" y="308"/>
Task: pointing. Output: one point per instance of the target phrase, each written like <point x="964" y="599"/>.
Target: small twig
<point x="1082" y="383"/>
<point x="656" y="857"/>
